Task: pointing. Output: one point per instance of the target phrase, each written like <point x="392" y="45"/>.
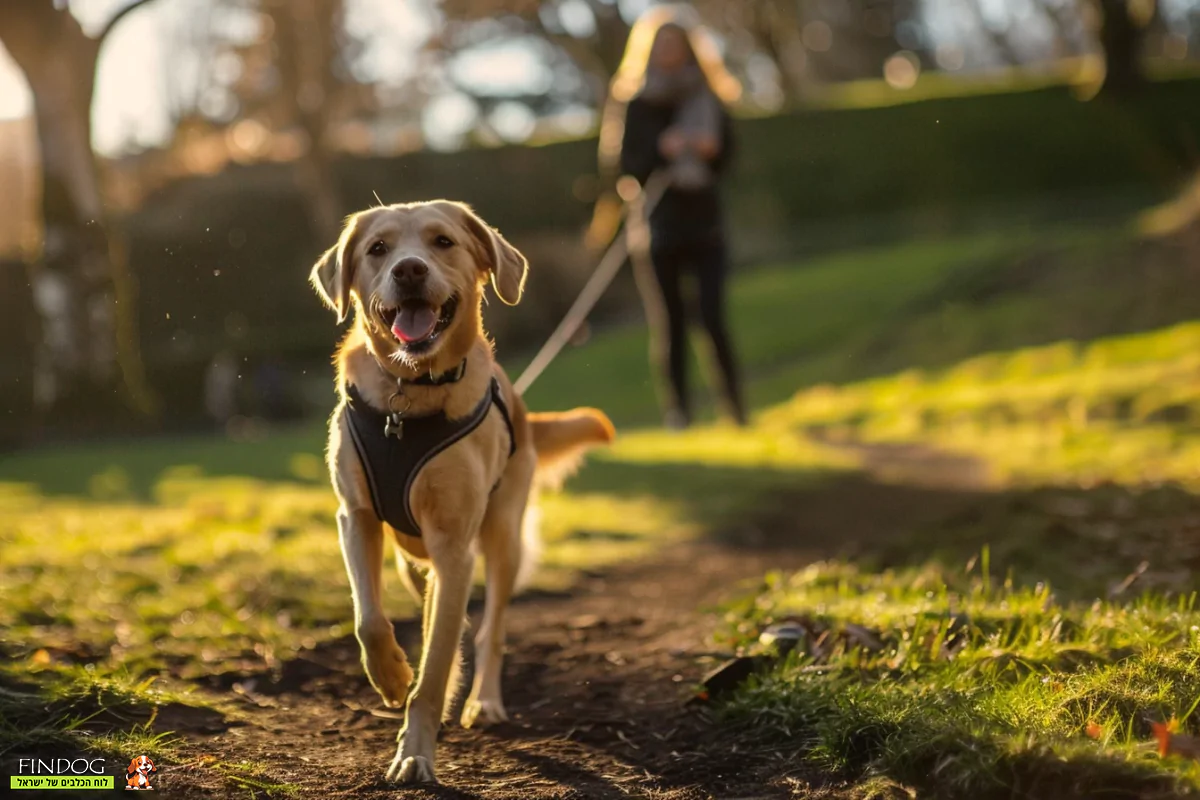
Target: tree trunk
<point x="76" y="280"/>
<point x="305" y="31"/>
<point x="1121" y="37"/>
<point x="780" y="26"/>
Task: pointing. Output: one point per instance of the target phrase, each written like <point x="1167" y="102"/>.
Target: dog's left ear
<point x="505" y="262"/>
<point x="333" y="273"/>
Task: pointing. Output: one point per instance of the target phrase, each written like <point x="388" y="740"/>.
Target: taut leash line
<point x="592" y="291"/>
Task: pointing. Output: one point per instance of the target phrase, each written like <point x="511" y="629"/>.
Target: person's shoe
<point x="675" y="420"/>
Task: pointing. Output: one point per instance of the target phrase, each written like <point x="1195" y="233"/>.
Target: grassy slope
<point x="130" y="587"/>
<point x="995" y="671"/>
<point x="1044" y="687"/>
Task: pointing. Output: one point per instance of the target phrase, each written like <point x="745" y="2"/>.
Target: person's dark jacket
<point x="681" y="217"/>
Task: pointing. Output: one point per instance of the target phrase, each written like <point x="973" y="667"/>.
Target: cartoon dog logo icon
<point x="137" y="774"/>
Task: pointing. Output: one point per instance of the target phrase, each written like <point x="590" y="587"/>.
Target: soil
<point x="597" y="682"/>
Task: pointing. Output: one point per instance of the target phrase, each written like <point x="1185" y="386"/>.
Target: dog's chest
<point x="394" y="453"/>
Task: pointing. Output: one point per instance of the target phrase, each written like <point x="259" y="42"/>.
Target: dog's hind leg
<point x="501" y="543"/>
<point x="411" y="576"/>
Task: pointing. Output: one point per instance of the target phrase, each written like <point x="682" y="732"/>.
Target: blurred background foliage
<point x="230" y="137"/>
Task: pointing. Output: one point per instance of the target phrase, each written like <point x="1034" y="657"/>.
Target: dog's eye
<point x="378" y="249"/>
<point x="443" y="241"/>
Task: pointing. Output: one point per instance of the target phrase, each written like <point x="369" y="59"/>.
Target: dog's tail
<point x="560" y="439"/>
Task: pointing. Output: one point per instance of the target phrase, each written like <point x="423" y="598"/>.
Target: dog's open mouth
<point x="418" y="323"/>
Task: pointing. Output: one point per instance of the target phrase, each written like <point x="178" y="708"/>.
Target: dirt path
<point x="596" y="681"/>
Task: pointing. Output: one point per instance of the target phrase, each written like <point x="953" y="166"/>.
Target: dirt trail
<point x="595" y="681"/>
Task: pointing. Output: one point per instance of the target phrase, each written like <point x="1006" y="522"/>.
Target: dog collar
<point x="449" y="376"/>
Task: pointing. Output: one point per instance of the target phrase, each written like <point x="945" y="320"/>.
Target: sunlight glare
<point x="130" y="108"/>
<point x="511" y="68"/>
<point x="15" y="99"/>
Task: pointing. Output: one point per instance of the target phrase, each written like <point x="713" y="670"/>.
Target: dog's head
<point x="416" y="274"/>
<point x="142" y="765"/>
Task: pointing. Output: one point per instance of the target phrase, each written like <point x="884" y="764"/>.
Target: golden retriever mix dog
<point x="431" y="450"/>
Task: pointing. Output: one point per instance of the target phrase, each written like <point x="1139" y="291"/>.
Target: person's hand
<point x="706" y="145"/>
<point x="672" y="143"/>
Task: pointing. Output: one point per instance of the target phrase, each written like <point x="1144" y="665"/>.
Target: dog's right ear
<point x="132" y="768"/>
<point x="333" y="273"/>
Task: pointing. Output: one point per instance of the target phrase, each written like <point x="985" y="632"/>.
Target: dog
<point x="137" y="774"/>
<point x="430" y="449"/>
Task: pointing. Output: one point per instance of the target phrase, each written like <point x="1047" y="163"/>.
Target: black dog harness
<point x="394" y="448"/>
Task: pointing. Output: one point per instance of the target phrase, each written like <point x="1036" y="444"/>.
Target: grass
<point x="1120" y="409"/>
<point x="179" y="559"/>
<point x="251" y="779"/>
<point x="968" y="685"/>
<point x="1025" y="647"/>
<point x="71" y="706"/>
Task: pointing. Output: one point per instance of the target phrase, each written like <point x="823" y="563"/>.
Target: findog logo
<point x="75" y="773"/>
<point x="137" y="774"/>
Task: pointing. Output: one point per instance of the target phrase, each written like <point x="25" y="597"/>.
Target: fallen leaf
<point x="1171" y="743"/>
<point x="728" y="676"/>
<point x="1094" y="731"/>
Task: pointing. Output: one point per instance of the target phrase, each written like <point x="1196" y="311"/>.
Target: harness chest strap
<point x="392" y="464"/>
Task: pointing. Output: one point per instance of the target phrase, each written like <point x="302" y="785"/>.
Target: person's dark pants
<point x="662" y="291"/>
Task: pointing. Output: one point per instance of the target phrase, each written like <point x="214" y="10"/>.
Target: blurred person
<point x="220" y="388"/>
<point x="667" y="114"/>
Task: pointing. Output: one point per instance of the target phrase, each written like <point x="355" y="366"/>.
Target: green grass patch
<point x="966" y="684"/>
<point x="1120" y="409"/>
<point x="247" y="777"/>
<point x="79" y="708"/>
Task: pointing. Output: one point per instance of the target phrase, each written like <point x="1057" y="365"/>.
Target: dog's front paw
<point x="390" y="674"/>
<point x="413" y="769"/>
<point x="478" y="711"/>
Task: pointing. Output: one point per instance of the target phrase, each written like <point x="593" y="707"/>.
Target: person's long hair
<point x="631" y="73"/>
<point x="631" y="77"/>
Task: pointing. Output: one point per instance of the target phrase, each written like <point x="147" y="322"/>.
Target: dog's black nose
<point x="410" y="271"/>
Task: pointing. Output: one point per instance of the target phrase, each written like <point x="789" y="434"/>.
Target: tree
<point x="289" y="76"/>
<point x="82" y="289"/>
<point x="307" y="49"/>
<point x="1122" y="31"/>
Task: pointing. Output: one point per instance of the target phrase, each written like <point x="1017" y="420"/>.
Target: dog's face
<point x="416" y="272"/>
<point x="141" y="766"/>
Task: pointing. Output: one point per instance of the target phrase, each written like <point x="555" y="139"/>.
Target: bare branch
<point x="116" y="18"/>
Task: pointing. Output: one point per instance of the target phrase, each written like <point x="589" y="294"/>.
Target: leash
<point x="593" y="290"/>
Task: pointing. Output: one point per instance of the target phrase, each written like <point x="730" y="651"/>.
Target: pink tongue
<point x="414" y="323"/>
